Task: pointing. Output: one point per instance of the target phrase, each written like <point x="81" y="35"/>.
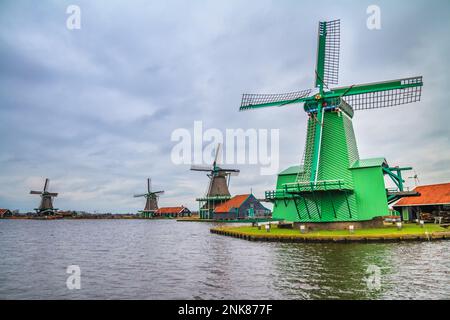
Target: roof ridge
<point x="433" y="194"/>
<point x="434" y="184"/>
<point x="235" y="201"/>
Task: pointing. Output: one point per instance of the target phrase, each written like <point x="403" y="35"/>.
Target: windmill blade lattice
<point x="218" y="155"/>
<point x="272" y="99"/>
<point x="140" y="195"/>
<point x="228" y="170"/>
<point x="200" y="168"/>
<point x="411" y="92"/>
<point x="327" y="71"/>
<point x="46" y="185"/>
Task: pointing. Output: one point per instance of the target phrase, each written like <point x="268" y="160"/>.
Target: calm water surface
<point x="165" y="259"/>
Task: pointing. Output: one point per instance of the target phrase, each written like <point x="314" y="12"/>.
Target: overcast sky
<point x="93" y="109"/>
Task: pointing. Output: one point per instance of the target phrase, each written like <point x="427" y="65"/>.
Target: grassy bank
<point x="386" y="233"/>
<point x="197" y="219"/>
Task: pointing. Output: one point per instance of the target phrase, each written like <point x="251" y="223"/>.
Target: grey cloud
<point x="93" y="109"/>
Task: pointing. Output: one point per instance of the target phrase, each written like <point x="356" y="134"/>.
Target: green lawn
<point x="408" y="229"/>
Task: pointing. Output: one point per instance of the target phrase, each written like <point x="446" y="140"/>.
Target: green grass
<point x="408" y="229"/>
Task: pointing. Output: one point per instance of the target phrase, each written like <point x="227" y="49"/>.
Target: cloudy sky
<point x="94" y="109"/>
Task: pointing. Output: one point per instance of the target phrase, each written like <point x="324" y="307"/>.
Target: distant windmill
<point x="151" y="205"/>
<point x="416" y="179"/>
<point x="219" y="181"/>
<point x="46" y="206"/>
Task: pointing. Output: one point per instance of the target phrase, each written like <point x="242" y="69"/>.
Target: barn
<point x="433" y="204"/>
<point x="243" y="206"/>
<point x="4" y="213"/>
<point x="172" y="212"/>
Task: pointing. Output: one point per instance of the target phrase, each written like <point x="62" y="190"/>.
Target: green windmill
<point x="332" y="184"/>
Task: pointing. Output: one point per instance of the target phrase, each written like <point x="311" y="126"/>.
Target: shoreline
<point x="225" y="221"/>
<point x="385" y="234"/>
<point x="82" y="218"/>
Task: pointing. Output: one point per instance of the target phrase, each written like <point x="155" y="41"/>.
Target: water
<point x="165" y="259"/>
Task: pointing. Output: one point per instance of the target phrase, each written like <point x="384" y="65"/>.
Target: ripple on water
<point x="141" y="259"/>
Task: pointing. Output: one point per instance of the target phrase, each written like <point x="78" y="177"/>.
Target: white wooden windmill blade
<point x="35" y="192"/>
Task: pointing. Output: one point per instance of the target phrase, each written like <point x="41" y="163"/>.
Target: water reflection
<point x="172" y="260"/>
<point x="328" y="271"/>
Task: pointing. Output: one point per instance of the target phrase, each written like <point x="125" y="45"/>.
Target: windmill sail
<point x="218" y="155"/>
<point x="46" y="185"/>
<point x="382" y="94"/>
<point x="200" y="168"/>
<point x="257" y="100"/>
<point x="327" y="68"/>
<point x="139" y="195"/>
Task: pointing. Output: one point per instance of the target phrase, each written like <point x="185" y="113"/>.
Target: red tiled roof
<point x="170" y="210"/>
<point x="234" y="202"/>
<point x="4" y="211"/>
<point x="429" y="195"/>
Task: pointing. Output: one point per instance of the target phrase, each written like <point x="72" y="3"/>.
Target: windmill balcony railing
<point x="277" y="195"/>
<point x="393" y="190"/>
<point x="210" y="198"/>
<point x="289" y="190"/>
<point x="321" y="185"/>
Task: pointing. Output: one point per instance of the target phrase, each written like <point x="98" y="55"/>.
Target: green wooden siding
<point x="371" y="195"/>
<point x="339" y="160"/>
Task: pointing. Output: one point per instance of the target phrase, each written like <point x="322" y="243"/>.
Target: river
<point x="165" y="259"/>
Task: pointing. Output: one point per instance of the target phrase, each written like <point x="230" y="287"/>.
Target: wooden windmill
<point x="151" y="203"/>
<point x="332" y="184"/>
<point x="219" y="181"/>
<point x="46" y="205"/>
